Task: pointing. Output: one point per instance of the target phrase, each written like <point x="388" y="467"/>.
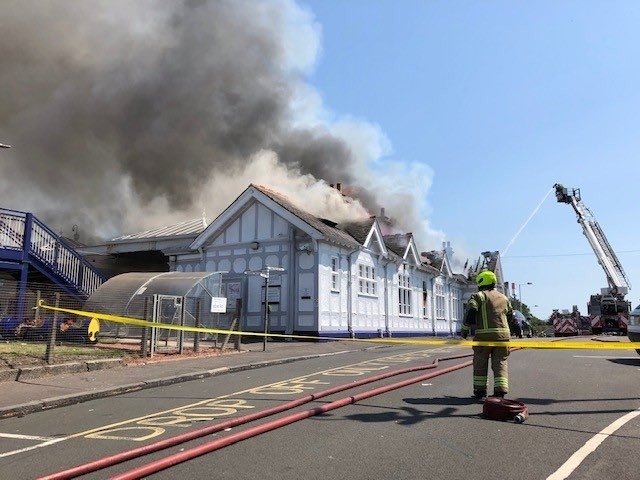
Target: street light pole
<point x="265" y="273"/>
<point x="520" y="292"/>
<point x="266" y="312"/>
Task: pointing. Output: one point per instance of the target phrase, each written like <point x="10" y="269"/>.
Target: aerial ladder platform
<point x="608" y="310"/>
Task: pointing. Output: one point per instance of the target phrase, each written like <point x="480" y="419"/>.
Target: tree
<point x="536" y="323"/>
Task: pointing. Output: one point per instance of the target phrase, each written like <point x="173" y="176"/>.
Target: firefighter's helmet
<point x="486" y="278"/>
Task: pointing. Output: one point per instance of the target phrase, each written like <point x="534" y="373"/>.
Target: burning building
<point x="337" y="279"/>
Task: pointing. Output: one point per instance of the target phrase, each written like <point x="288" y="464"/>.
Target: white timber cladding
<point x="333" y="279"/>
<point x="255" y="238"/>
<point x="401" y="304"/>
<point x="325" y="288"/>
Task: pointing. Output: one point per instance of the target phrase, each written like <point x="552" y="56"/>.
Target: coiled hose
<point x="497" y="408"/>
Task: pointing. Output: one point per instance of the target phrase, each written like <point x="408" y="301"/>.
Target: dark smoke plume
<point x="121" y="113"/>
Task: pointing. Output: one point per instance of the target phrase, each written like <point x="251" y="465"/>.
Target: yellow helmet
<point x="486" y="278"/>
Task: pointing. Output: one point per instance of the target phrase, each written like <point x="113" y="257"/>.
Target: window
<point x="440" y="301"/>
<point x="425" y="303"/>
<point x="404" y="291"/>
<point x="366" y="280"/>
<point x="335" y="276"/>
<point x="454" y="305"/>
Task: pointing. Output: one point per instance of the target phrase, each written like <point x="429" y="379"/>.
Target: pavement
<point x="42" y="388"/>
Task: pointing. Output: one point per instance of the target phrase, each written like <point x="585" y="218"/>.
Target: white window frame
<point x="425" y="300"/>
<point x="335" y="274"/>
<point x="404" y="292"/>
<point x="441" y="313"/>
<point x="455" y="310"/>
<point x="367" y="284"/>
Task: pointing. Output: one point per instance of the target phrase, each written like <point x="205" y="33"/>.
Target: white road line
<point x="26" y="449"/>
<point x="576" y="459"/>
<point x="606" y="356"/>
<point x="26" y="437"/>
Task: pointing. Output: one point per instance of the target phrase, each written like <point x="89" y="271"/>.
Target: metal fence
<point x="41" y="325"/>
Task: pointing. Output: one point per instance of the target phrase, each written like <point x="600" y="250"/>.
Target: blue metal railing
<point x="12" y="229"/>
<point x="23" y="231"/>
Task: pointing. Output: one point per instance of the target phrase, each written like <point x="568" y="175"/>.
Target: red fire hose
<point x="496" y="408"/>
<point x="112" y="460"/>
<point x="209" y="447"/>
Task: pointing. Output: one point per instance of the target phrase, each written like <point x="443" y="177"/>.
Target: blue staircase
<point x="25" y="241"/>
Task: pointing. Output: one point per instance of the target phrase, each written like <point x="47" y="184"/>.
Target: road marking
<point x="26" y="437"/>
<point x="95" y="432"/>
<point x="607" y="356"/>
<point x="33" y="447"/>
<point x="393" y="359"/>
<point x="576" y="459"/>
<point x="404" y="357"/>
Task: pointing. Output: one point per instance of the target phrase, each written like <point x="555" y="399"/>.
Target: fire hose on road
<point x="217" y="444"/>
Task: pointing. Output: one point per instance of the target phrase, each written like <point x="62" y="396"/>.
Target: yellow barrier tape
<point x="544" y="344"/>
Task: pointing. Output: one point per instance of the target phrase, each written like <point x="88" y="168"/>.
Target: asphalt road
<point x="431" y="429"/>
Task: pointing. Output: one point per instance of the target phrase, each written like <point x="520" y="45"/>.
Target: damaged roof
<point x="330" y="233"/>
<point x="358" y="230"/>
<point x="435" y="259"/>
<point x="397" y="243"/>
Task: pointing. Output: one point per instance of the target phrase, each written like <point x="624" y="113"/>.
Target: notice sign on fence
<point x="218" y="304"/>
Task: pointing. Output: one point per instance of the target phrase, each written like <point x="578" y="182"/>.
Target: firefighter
<point x="491" y="312"/>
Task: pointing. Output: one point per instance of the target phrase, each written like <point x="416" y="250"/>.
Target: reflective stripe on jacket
<point x="492" y="309"/>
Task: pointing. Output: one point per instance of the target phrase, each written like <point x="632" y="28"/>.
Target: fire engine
<point x="567" y="323"/>
<point x="608" y="310"/>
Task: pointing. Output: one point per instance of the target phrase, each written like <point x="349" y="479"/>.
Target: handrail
<point x="49" y="248"/>
<point x="13" y="212"/>
<point x="11" y="231"/>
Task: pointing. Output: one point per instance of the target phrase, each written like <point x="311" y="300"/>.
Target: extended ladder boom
<point x="607" y="258"/>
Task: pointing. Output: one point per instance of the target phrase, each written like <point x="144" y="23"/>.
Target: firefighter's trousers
<point x="498" y="357"/>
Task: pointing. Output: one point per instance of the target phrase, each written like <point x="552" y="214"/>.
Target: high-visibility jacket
<point x="492" y="313"/>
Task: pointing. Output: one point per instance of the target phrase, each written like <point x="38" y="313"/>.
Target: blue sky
<point x="502" y="100"/>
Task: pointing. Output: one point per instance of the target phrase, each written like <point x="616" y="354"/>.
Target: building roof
<point x="435" y="259"/>
<point x="190" y="227"/>
<point x="462" y="278"/>
<point x="330" y="233"/>
<point x="397" y="243"/>
<point x="359" y="230"/>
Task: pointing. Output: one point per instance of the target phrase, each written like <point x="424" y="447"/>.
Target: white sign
<point x="218" y="304"/>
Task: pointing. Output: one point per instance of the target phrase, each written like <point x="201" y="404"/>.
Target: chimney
<point x="386" y="225"/>
<point x="448" y="251"/>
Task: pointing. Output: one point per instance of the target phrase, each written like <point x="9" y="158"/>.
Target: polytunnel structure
<point x="177" y="298"/>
